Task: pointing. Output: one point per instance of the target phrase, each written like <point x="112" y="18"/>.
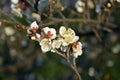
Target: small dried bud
<point x="23" y="27"/>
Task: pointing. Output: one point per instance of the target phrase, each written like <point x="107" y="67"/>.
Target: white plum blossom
<point x="14" y="1"/>
<point x="66" y="32"/>
<point x="45" y="45"/>
<point x="68" y="36"/>
<point x="50" y="32"/>
<point x="77" y="49"/>
<point x="32" y="32"/>
<point x="69" y="39"/>
<point x="56" y="44"/>
<point x="16" y="11"/>
<point x="80" y="5"/>
<point x="34" y="26"/>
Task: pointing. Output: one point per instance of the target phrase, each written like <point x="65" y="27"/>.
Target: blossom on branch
<point x="80" y="6"/>
<point x="66" y="32"/>
<point x="34" y="26"/>
<point x="16" y="10"/>
<point x="49" y="32"/>
<point x="56" y="44"/>
<point x="68" y="36"/>
<point x="50" y="41"/>
<point x="45" y="45"/>
<point x="77" y="49"/>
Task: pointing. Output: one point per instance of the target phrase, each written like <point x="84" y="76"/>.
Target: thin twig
<point x="72" y="64"/>
<point x="69" y="20"/>
<point x="74" y="68"/>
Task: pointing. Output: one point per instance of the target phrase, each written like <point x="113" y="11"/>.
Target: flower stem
<point x="72" y="64"/>
<point x="74" y="68"/>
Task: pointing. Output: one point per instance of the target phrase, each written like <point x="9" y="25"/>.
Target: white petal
<point x="71" y="31"/>
<point x="74" y="39"/>
<point x="80" y="9"/>
<point x="77" y="47"/>
<point x="79" y="3"/>
<point x="46" y="29"/>
<point x="13" y="6"/>
<point x="16" y="11"/>
<point x="38" y="35"/>
<point x="56" y="44"/>
<point x="78" y="53"/>
<point x="45" y="48"/>
<point x="62" y="30"/>
<point x="34" y="24"/>
<point x="65" y="44"/>
<point x="51" y="30"/>
<point x="45" y="41"/>
<point x="66" y="32"/>
<point x="80" y="44"/>
<point x="75" y="55"/>
<point x="28" y="31"/>
<point x="80" y="6"/>
<point x="45" y="45"/>
<point x="70" y="39"/>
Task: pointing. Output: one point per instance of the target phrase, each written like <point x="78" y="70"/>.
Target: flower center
<point x="75" y="44"/>
<point x="42" y="36"/>
<point x="49" y="34"/>
<point x="34" y="29"/>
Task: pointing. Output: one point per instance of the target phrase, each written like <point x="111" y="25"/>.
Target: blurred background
<point x="96" y="22"/>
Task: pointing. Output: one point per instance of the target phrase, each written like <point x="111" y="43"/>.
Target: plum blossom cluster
<point x="16" y="8"/>
<point x="81" y="5"/>
<point x="49" y="40"/>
